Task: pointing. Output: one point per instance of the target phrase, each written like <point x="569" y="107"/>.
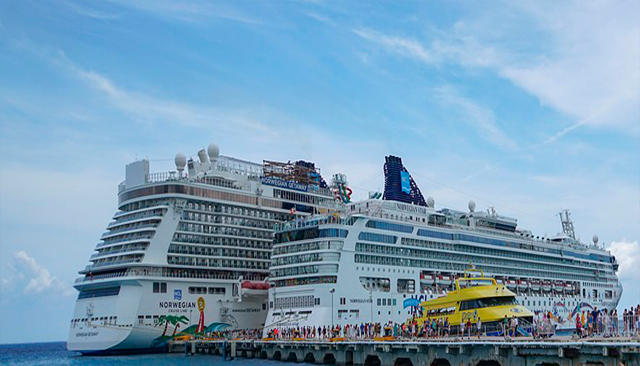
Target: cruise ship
<point x="377" y="260"/>
<point x="189" y="251"/>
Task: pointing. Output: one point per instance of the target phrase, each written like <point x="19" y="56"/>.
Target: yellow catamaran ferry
<point x="473" y="297"/>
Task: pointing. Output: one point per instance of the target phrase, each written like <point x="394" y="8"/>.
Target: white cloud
<point x="627" y="254"/>
<point x="189" y="11"/>
<point x="39" y="278"/>
<point x="477" y="116"/>
<point x="403" y="46"/>
<point x="583" y="61"/>
<point x="590" y="68"/>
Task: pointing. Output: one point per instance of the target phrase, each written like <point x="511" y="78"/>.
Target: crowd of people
<point x="608" y="323"/>
<point x="434" y="328"/>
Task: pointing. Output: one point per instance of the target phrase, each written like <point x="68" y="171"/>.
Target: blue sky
<point x="530" y="107"/>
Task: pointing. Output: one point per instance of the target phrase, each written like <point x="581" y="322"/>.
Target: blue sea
<point x="56" y="353"/>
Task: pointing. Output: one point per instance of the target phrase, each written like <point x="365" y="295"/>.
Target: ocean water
<point x="57" y="354"/>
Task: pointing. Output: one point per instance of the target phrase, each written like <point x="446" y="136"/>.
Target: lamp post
<point x="333" y="290"/>
<point x="371" y="302"/>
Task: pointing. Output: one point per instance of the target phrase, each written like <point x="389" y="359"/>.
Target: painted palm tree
<point x="176" y="322"/>
<point x="165" y="319"/>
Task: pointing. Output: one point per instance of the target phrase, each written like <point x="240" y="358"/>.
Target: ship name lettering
<point x="177" y="304"/>
<point x="360" y="301"/>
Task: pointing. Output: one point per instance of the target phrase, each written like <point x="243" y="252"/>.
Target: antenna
<point x="567" y="224"/>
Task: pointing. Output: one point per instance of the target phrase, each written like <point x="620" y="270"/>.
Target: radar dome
<point x="214" y="151"/>
<point x="181" y="161"/>
<point x="595" y="239"/>
<point x="472" y="206"/>
<point x="431" y="202"/>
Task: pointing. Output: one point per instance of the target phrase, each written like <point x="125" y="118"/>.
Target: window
<point x="163" y="287"/>
<point x="217" y="290"/>
<point x="381" y="238"/>
<point x="108" y="291"/>
<point x="197" y="290"/>
<point x="389" y="226"/>
<point x="156" y="287"/>
<point x="379" y="301"/>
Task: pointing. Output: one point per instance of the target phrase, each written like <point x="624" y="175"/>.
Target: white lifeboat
<point x="523" y="285"/>
<point x="535" y="285"/>
<point x="546" y="286"/>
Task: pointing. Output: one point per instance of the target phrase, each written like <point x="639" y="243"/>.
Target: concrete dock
<point x="486" y="351"/>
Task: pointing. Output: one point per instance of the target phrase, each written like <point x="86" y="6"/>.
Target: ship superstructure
<point x="376" y="261"/>
<point x="188" y="251"/>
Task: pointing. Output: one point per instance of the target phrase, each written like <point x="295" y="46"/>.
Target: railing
<point x="153" y="215"/>
<point x="167" y="273"/>
<point x="130" y="249"/>
<point x="143" y="237"/>
<point x="104" y="264"/>
<point x="112" y="232"/>
<point x="310" y="222"/>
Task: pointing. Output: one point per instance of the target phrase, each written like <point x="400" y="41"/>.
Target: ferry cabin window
<point x="156" y="287"/>
<point x="487" y="302"/>
<point x="163" y="287"/>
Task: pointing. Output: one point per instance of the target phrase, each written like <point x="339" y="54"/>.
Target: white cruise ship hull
<point x="131" y="321"/>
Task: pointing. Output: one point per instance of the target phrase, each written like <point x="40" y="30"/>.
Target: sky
<point x="530" y="107"/>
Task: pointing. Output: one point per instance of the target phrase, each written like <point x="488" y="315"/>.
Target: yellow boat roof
<point x="471" y="288"/>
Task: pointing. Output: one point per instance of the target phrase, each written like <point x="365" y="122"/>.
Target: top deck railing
<point x="310" y="221"/>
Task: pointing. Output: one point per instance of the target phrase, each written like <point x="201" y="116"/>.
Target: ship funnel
<point x="398" y="183"/>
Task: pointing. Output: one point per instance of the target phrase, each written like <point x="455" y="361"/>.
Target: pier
<point x="487" y="351"/>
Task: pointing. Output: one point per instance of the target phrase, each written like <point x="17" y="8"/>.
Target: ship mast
<point x="567" y="224"/>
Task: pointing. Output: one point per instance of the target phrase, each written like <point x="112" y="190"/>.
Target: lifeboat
<point x="446" y="280"/>
<point x="535" y="285"/>
<point x="558" y="286"/>
<point x="523" y="285"/>
<point x="546" y="286"/>
<point x="568" y="288"/>
<point x="255" y="285"/>
<point x="511" y="284"/>
<point x="427" y="279"/>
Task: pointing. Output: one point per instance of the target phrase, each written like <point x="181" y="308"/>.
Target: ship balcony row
<point x="306" y="258"/>
<point x="157" y="217"/>
<point x="119" y="214"/>
<point x="155" y="272"/>
<point x="131" y="229"/>
<point x="218" y="252"/>
<point x="222" y="210"/>
<point x="130" y="239"/>
<point x="294" y="247"/>
<point x="117" y="262"/>
<point x="230" y="224"/>
<point x="129" y="249"/>
<point x="276" y="273"/>
<point x="227" y="233"/>
<point x="234" y="243"/>
<point x="224" y="263"/>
